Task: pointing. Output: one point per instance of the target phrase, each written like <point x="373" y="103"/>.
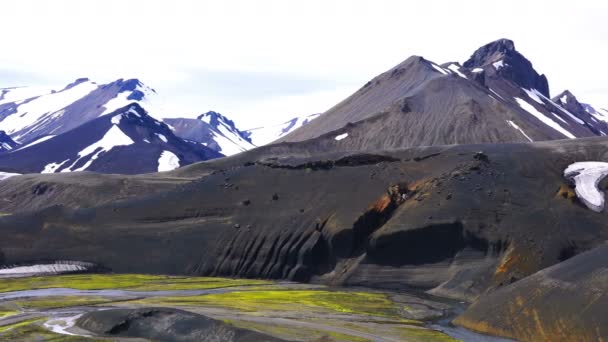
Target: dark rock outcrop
<point x="501" y="58"/>
<point x="161" y="324"/>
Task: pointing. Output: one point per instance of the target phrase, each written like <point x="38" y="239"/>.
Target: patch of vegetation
<point x="7" y="313"/>
<point x="364" y="303"/>
<point x="42" y="303"/>
<point x="138" y="282"/>
<point x="16" y="325"/>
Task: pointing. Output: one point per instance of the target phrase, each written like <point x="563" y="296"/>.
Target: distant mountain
<point x="27" y="113"/>
<point x="212" y="130"/>
<point x="267" y="134"/>
<point x="495" y="96"/>
<point x="127" y="141"/>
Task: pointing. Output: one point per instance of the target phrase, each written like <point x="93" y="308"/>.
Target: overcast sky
<point x="266" y="61"/>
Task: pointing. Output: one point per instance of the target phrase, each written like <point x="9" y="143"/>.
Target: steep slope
<point x="496" y="96"/>
<point x="29" y="113"/>
<point x="6" y="143"/>
<point x="566" y="302"/>
<point x="266" y="134"/>
<point x="212" y="130"/>
<point x="125" y="141"/>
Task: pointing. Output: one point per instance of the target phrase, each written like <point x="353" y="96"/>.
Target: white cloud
<point x="340" y="44"/>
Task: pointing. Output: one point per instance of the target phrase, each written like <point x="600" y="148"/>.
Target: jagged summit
<point x="212" y="130"/>
<point x="500" y="58"/>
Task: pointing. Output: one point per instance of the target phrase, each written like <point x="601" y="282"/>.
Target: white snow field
<point x="586" y="176"/>
<point x="167" y="161"/>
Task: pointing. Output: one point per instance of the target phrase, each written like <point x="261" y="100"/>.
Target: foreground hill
<point x="457" y="221"/>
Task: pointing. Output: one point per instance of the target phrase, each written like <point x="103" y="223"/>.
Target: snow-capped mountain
<point x="127" y="141"/>
<point x="495" y="96"/>
<point x="267" y="134"/>
<point x="27" y="113"/>
<point x="212" y="130"/>
<point x="6" y="143"/>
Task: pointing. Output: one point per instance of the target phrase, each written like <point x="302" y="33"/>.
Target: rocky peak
<point x="76" y="82"/>
<point x="567" y="100"/>
<point x="500" y="58"/>
<point x="215" y="119"/>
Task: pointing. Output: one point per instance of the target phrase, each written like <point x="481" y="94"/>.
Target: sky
<point x="264" y="61"/>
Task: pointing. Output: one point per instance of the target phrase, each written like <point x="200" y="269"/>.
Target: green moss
<point x="364" y="303"/>
<point x="7" y="313"/>
<point x="122" y="281"/>
<point x="43" y="303"/>
<point x="16" y="325"/>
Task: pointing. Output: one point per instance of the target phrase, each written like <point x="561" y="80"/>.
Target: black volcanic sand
<point x="449" y="220"/>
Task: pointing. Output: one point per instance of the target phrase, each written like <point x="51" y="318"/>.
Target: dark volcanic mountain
<point x="212" y="130"/>
<point x="126" y="141"/>
<point x="497" y="96"/>
<point x="500" y="58"/>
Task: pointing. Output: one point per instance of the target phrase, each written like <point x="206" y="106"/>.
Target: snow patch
<point x="114" y="137"/>
<point x="543" y="118"/>
<point x="499" y="64"/>
<point x="476" y="70"/>
<point x="149" y="101"/>
<point x="564" y="99"/>
<point x="162" y="137"/>
<point x="44" y="269"/>
<point x="534" y="95"/>
<point x="586" y="177"/>
<point x="37" y="141"/>
<point x="559" y="117"/>
<point x="167" y="161"/>
<point x="116" y="119"/>
<point x="455" y="68"/>
<point x="5" y="175"/>
<point x="341" y="136"/>
<point x="60" y="325"/>
<point x="264" y="135"/>
<point x="47" y="106"/>
<point x="440" y="69"/>
<point x="52" y="167"/>
<point x="512" y="124"/>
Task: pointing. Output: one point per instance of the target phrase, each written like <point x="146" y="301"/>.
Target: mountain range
<point x="46" y="130"/>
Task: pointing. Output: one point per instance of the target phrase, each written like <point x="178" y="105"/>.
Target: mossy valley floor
<point x="40" y="308"/>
